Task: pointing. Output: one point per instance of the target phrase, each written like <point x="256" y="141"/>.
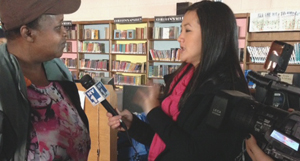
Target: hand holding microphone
<point x="125" y="116"/>
<point x="97" y="93"/>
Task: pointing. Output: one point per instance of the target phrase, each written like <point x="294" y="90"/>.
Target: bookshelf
<point x="163" y="55"/>
<point x="117" y="50"/>
<point x="70" y="55"/>
<point x="242" y="20"/>
<point x="94" y="48"/>
<point x="263" y="39"/>
<point x="128" y="51"/>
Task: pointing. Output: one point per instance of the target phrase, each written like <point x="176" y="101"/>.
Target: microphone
<point x="97" y="93"/>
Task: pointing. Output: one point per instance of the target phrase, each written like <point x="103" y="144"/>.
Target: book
<point x="172" y="33"/>
<point x="156" y="33"/>
<point x="95" y="34"/>
<point x="69" y="46"/>
<point x="130" y="34"/>
<point x="123" y="34"/>
<point x="102" y="47"/>
<point x="165" y="33"/>
<point x="106" y="33"/>
<point x="117" y="34"/>
<point x="87" y="34"/>
<point x="138" y="33"/>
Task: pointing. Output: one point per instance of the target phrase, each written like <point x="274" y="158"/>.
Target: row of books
<point x="93" y="47"/>
<point x="132" y="48"/>
<point x="92" y="34"/>
<point x="137" y="33"/>
<point x="158" y="71"/>
<point x="120" y="79"/>
<point x="297" y="53"/>
<point x="165" y="55"/>
<point x="172" y="32"/>
<point x="69" y="62"/>
<point x="93" y="74"/>
<point x="94" y="64"/>
<point x="259" y="54"/>
<point x="127" y="66"/>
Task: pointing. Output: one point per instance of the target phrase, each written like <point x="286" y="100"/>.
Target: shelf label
<point x="128" y="20"/>
<point x="178" y="18"/>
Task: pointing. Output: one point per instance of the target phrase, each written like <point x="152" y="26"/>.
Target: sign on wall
<point x="128" y="20"/>
<point x="274" y="21"/>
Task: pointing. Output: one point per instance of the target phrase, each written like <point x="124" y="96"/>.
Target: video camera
<point x="277" y="131"/>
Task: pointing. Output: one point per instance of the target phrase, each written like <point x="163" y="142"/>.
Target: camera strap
<point x="241" y="156"/>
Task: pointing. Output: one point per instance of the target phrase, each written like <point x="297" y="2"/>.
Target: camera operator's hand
<point x="291" y="110"/>
<point x="254" y="150"/>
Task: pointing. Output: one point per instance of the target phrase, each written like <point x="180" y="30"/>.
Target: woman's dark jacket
<point x="190" y="138"/>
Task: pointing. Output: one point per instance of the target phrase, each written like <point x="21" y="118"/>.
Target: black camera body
<point x="277" y="131"/>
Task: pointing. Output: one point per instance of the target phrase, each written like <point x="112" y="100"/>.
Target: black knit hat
<point x="1" y="33"/>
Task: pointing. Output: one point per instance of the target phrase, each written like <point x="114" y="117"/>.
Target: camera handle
<point x="268" y="93"/>
<point x="265" y="94"/>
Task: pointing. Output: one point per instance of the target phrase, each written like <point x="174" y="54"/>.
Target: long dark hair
<point x="219" y="60"/>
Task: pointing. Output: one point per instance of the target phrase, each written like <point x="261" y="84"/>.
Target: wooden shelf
<point x="69" y="52"/>
<point x="162" y="39"/>
<point x="72" y="68"/>
<point x="129" y="39"/>
<point x="93" y="39"/>
<point x="128" y="54"/>
<point x="128" y="72"/>
<point x="271" y="36"/>
<point x="273" y="40"/>
<point x="121" y="85"/>
<point x="291" y="68"/>
<point x="241" y="15"/>
<point x="91" y="69"/>
<point x="158" y="61"/>
<point x="82" y="52"/>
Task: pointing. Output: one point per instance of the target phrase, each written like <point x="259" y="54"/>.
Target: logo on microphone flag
<point x="104" y="92"/>
<point x="94" y="95"/>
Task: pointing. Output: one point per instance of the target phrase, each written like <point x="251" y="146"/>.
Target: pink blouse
<point x="58" y="132"/>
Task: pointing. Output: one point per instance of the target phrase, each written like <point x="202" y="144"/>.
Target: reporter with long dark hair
<point x="177" y="128"/>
